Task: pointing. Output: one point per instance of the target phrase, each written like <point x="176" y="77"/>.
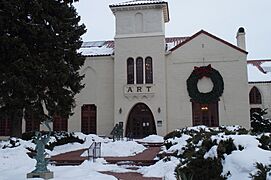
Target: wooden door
<point x="60" y="123"/>
<point x="89" y="119"/>
<point x="140" y="122"/>
<point x="31" y="123"/>
<point x="5" y="127"/>
<point x="205" y="114"/>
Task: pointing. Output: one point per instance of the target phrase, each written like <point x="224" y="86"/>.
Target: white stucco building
<point x="140" y="78"/>
<point x="259" y="76"/>
<point x="152" y="84"/>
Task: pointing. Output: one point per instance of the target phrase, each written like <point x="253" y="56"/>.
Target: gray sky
<point x="219" y="17"/>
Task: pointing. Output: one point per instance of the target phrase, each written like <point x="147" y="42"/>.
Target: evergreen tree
<point x="39" y="61"/>
<point x="259" y="123"/>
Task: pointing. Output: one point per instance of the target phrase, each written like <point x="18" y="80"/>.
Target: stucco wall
<point x="204" y="50"/>
<point x="152" y="22"/>
<point x="99" y="91"/>
<point x="265" y="91"/>
<point x="140" y="47"/>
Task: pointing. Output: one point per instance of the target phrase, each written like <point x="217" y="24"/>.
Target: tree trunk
<point x="16" y="123"/>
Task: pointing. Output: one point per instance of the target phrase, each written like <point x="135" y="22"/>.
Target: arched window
<point x="139" y="70"/>
<point x="138" y="22"/>
<point x="130" y="71"/>
<point x="255" y="96"/>
<point x="148" y="70"/>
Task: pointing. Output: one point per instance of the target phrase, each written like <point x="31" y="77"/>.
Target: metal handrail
<point x="94" y="151"/>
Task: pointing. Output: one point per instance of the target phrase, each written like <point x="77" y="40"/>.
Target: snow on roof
<point x="259" y="71"/>
<point x="137" y="2"/>
<point x="97" y="48"/>
<point x="106" y="48"/>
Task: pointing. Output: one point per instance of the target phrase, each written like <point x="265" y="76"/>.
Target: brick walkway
<point x="145" y="158"/>
<point x="69" y="158"/>
<point x="130" y="176"/>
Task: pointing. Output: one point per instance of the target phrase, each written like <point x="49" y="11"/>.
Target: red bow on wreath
<point x="203" y="71"/>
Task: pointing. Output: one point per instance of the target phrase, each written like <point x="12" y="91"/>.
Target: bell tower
<point x="139" y="62"/>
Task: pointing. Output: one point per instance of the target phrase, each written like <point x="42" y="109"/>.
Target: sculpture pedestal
<point x="44" y="175"/>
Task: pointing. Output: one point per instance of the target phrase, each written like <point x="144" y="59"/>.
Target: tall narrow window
<point x="130" y="71"/>
<point x="89" y="119"/>
<point x="255" y="96"/>
<point x="148" y="70"/>
<point x="139" y="70"/>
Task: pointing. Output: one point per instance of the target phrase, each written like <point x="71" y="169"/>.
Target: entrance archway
<point x="140" y="122"/>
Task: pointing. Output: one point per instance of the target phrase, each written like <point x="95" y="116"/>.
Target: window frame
<point x="139" y="70"/>
<point x="148" y="70"/>
<point x="255" y="96"/>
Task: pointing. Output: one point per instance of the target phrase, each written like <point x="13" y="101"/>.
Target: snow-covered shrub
<point x="260" y="124"/>
<point x="13" y="142"/>
<point x="265" y="141"/>
<point x="173" y="134"/>
<point x="261" y="173"/>
<point x="61" y="138"/>
<point x="56" y="139"/>
<point x="201" y="169"/>
<point x="225" y="147"/>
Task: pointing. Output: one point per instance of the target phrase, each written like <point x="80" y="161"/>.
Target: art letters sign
<point x="139" y="89"/>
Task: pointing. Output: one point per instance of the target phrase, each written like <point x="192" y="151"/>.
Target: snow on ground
<point x="109" y="148"/>
<point x="241" y="163"/>
<point x="163" y="168"/>
<point x="178" y="143"/>
<point x="119" y="148"/>
<point x="268" y="177"/>
<point x="81" y="172"/>
<point x="152" y="139"/>
<point x="15" y="163"/>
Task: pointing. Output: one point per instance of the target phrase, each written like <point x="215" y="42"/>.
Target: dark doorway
<point x="140" y="122"/>
<point x="88" y="119"/>
<point x="205" y="114"/>
<point x="31" y="123"/>
<point x="5" y="127"/>
<point x="60" y="123"/>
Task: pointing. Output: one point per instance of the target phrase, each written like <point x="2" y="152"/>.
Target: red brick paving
<point x="130" y="176"/>
<point x="69" y="158"/>
<point x="146" y="157"/>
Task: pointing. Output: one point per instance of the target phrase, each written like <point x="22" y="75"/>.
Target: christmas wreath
<point x="192" y="85"/>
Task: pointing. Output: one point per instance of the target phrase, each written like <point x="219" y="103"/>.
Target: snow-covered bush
<point x="265" y="141"/>
<point x="61" y="138"/>
<point x="228" y="152"/>
<point x="259" y="123"/>
<point x="262" y="172"/>
<point x="13" y="142"/>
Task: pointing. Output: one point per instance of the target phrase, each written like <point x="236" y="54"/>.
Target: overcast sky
<point x="219" y="17"/>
